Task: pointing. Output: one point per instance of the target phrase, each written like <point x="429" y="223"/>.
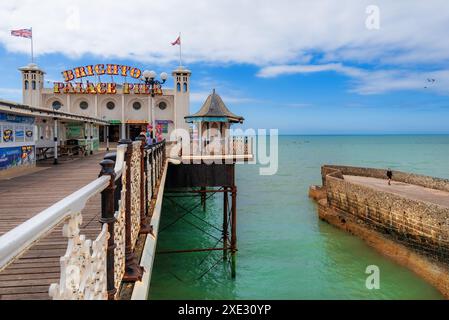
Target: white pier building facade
<point x="129" y="106"/>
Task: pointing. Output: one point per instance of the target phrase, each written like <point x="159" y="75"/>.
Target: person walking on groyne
<point x="389" y="176"/>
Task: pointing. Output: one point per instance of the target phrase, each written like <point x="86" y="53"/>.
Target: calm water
<point x="285" y="252"/>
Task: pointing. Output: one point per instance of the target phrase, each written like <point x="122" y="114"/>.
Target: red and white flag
<point x="177" y="41"/>
<point x="24" y="33"/>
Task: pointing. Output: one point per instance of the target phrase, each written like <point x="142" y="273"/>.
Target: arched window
<point x="26" y="84"/>
<point x="178" y="86"/>
<point x="33" y="84"/>
<point x="56" y="105"/>
<point x="185" y="87"/>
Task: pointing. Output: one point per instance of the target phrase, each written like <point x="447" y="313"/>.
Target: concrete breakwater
<point x="408" y="221"/>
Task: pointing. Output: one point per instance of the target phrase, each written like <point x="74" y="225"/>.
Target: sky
<point x="303" y="67"/>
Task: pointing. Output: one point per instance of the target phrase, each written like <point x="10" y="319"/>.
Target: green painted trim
<point x="206" y="119"/>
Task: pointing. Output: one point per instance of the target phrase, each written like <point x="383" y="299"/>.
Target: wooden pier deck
<point x="21" y="198"/>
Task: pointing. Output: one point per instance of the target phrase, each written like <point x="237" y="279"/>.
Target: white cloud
<point x="234" y="31"/>
<point x="282" y="37"/>
<point x="370" y="82"/>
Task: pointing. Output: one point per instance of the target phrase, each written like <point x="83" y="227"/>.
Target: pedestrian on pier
<point x="389" y="176"/>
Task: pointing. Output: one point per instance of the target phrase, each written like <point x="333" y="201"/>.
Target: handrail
<point x="15" y="242"/>
<point x="106" y="261"/>
<point x="120" y="160"/>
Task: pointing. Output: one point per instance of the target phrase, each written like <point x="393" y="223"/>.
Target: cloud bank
<point x="282" y="37"/>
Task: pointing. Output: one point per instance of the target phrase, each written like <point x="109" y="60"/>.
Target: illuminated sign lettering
<point x="73" y="81"/>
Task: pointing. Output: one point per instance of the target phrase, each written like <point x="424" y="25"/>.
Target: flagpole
<point x="180" y="50"/>
<point x="32" y="51"/>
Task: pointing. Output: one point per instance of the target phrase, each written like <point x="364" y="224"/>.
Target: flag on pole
<point x="177" y="41"/>
<point x="24" y="33"/>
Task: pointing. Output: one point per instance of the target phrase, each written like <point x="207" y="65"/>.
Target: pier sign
<point x="71" y="85"/>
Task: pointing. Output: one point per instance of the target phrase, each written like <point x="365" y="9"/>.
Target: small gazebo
<point x="213" y="120"/>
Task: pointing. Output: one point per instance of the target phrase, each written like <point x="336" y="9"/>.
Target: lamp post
<point x="155" y="87"/>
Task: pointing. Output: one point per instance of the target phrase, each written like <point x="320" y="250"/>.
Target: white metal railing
<point x="235" y="145"/>
<point x="95" y="269"/>
<point x="15" y="242"/>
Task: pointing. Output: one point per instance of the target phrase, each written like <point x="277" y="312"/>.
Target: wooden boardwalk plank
<point x="21" y="198"/>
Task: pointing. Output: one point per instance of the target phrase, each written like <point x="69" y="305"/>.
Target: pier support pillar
<point x="233" y="230"/>
<point x="225" y="223"/>
<point x="203" y="198"/>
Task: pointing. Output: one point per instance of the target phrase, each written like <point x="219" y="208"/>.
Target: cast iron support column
<point x="133" y="272"/>
<point x="107" y="216"/>
<point x="91" y="131"/>
<point x="233" y="230"/>
<point x="203" y="198"/>
<point x="107" y="137"/>
<point x="225" y="223"/>
<point x="55" y="161"/>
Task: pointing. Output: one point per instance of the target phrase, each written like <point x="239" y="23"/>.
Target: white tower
<point x="32" y="85"/>
<point x="181" y="77"/>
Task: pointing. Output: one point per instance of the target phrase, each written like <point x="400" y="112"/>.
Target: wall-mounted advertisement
<point x="6" y="117"/>
<point x="29" y="134"/>
<point x="7" y="133"/>
<point x="16" y="156"/>
<point x="20" y="134"/>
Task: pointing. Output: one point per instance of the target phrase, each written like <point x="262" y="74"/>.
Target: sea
<point x="284" y="250"/>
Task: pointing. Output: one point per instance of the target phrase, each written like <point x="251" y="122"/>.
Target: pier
<point x="89" y="244"/>
<point x="408" y="220"/>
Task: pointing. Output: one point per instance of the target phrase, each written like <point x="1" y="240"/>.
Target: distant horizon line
<point x="363" y="134"/>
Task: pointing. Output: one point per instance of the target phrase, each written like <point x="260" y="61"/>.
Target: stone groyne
<point x="414" y="233"/>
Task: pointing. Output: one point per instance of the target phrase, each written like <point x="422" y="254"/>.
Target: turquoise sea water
<point x="285" y="251"/>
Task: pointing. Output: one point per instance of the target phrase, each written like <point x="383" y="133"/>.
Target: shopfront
<point x="17" y="145"/>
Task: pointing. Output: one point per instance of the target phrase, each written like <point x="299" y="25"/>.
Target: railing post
<point x="108" y="217"/>
<point x="133" y="272"/>
<point x="145" y="226"/>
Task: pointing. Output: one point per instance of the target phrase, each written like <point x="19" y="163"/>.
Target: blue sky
<point x="300" y="67"/>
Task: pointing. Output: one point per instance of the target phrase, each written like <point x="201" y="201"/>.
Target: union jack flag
<point x="24" y="33"/>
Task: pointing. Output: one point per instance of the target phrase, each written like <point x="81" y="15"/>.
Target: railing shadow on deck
<point x="95" y="269"/>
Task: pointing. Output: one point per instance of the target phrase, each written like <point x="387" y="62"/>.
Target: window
<point x="162" y="105"/>
<point x="33" y="84"/>
<point x="84" y="105"/>
<point x="185" y="87"/>
<point x="56" y="105"/>
<point x="137" y="105"/>
<point x="178" y="87"/>
<point x="26" y="84"/>
<point x="110" y="105"/>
